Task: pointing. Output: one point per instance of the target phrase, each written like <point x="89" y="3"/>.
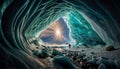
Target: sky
<point x="56" y="33"/>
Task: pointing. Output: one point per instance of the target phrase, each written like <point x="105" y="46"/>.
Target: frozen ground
<point x="98" y="51"/>
<point x="98" y="55"/>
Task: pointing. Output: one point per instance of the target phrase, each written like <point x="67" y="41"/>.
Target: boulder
<point x="110" y="48"/>
<point x="92" y="52"/>
<point x="62" y="62"/>
<point x="56" y="52"/>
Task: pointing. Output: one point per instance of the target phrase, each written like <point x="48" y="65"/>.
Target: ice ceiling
<point x="90" y="22"/>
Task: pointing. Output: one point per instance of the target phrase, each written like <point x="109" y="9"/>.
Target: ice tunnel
<point x="80" y="22"/>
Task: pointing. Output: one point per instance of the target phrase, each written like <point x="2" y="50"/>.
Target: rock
<point x="92" y="52"/>
<point x="36" y="52"/>
<point x="102" y="66"/>
<point x="104" y="58"/>
<point x="74" y="58"/>
<point x="56" y="52"/>
<point x="82" y="50"/>
<point x="85" y="45"/>
<point x="62" y="62"/>
<point x="110" y="48"/>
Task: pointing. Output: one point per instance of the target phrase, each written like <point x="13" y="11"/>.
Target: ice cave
<point x="59" y="34"/>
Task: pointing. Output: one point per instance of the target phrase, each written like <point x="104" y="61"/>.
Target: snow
<point x="99" y="55"/>
<point x="98" y="51"/>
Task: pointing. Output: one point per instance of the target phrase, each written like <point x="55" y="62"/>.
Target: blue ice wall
<point x="81" y="30"/>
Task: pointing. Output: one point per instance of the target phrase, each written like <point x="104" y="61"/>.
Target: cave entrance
<point x="57" y="33"/>
<point x="71" y="28"/>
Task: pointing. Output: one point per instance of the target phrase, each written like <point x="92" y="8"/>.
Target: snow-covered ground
<point x="97" y="51"/>
<point x="99" y="55"/>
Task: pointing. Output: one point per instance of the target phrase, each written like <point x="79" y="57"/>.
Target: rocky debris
<point x="93" y="62"/>
<point x="110" y="48"/>
<point x="82" y="60"/>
